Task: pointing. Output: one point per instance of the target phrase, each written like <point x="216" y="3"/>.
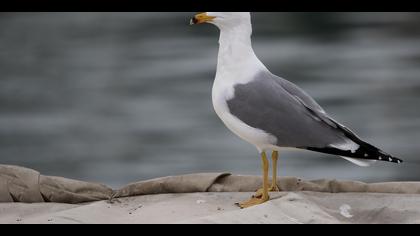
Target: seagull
<point x="270" y="112"/>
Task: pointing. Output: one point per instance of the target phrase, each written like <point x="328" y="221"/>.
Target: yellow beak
<point x="201" y="18"/>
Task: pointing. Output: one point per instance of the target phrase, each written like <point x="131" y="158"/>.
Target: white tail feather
<point x="359" y="162"/>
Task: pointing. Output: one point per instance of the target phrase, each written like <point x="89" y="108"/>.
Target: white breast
<point x="223" y="90"/>
<point x="237" y="64"/>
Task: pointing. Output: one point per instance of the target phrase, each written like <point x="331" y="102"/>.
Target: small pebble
<point x="345" y="211"/>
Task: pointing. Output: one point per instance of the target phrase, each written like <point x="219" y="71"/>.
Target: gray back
<point x="280" y="108"/>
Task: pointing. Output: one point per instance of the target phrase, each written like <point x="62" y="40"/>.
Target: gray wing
<point x="313" y="107"/>
<point x="298" y="92"/>
<point x="306" y="100"/>
<point x="280" y="108"/>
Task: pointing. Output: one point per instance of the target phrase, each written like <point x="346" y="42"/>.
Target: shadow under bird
<point x="270" y="112"/>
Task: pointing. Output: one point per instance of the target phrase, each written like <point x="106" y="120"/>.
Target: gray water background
<point x="120" y="97"/>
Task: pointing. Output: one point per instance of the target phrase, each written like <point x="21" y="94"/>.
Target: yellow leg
<point x="264" y="197"/>
<point x="274" y="187"/>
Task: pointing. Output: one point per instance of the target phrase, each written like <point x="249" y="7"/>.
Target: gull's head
<point x="223" y="20"/>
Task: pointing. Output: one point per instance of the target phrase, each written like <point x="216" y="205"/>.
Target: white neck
<point x="235" y="49"/>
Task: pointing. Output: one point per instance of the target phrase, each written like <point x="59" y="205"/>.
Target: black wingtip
<point x="365" y="152"/>
<point x="390" y="159"/>
<point x="381" y="155"/>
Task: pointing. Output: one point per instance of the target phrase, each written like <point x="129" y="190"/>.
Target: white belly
<point x="221" y="93"/>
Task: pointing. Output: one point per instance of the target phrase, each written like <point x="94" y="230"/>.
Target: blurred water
<point x="118" y="97"/>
